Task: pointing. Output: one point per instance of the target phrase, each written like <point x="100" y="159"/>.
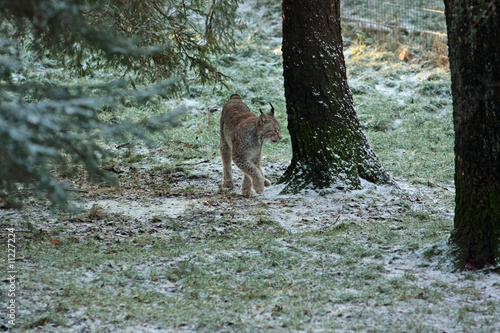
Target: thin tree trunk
<point x="474" y="52"/>
<point x="329" y="148"/>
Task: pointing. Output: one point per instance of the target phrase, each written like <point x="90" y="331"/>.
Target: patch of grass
<point x="96" y="212"/>
<point x="227" y="264"/>
<point x="238" y="274"/>
<point x="401" y="122"/>
<point x="47" y="320"/>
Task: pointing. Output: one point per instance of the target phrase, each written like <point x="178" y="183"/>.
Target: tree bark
<point x="474" y="53"/>
<point x="329" y="148"/>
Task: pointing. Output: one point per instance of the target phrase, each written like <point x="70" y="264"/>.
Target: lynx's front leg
<point x="253" y="176"/>
<point x="227" y="171"/>
<point x="256" y="161"/>
<point x="267" y="182"/>
<point x="246" y="186"/>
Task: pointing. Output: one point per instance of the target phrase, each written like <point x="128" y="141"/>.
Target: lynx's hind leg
<point x="227" y="170"/>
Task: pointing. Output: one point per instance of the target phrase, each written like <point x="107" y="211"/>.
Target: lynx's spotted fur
<point x="242" y="135"/>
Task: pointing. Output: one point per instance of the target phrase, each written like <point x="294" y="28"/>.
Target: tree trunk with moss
<point x="329" y="148"/>
<point x="474" y="53"/>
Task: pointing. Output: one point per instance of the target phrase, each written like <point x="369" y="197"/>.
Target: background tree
<point x="329" y="147"/>
<point x="474" y="53"/>
<point x="44" y="125"/>
<point x="157" y="39"/>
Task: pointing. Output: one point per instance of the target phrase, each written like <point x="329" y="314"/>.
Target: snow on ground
<point x="310" y="211"/>
<point x="297" y="214"/>
<point x="171" y="207"/>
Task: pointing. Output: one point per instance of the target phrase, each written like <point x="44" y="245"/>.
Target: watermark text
<point x="11" y="277"/>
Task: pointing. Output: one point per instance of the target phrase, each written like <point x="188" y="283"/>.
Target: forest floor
<point x="166" y="249"/>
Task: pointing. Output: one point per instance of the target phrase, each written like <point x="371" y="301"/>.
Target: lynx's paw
<point x="247" y="193"/>
<point x="228" y="184"/>
<point x="267" y="182"/>
<point x="259" y="187"/>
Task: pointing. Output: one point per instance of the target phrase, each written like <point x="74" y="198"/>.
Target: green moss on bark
<point x="475" y="239"/>
<point x="475" y="67"/>
<point x="329" y="148"/>
<point x="324" y="158"/>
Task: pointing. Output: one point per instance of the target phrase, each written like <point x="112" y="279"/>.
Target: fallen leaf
<point x="55" y="242"/>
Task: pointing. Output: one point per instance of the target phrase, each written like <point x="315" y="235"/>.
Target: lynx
<point x="242" y="135"/>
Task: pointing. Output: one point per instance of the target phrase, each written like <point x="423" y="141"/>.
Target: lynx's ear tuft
<point x="262" y="117"/>
<point x="272" y="109"/>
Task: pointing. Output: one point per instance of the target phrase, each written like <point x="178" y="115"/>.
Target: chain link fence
<point x="422" y="20"/>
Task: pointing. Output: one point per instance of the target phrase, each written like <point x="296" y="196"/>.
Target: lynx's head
<point x="270" y="127"/>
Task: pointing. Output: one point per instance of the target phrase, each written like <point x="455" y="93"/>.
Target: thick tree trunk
<point x="329" y="148"/>
<point x="474" y="52"/>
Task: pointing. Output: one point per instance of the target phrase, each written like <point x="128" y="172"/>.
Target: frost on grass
<point x="169" y="250"/>
<point x="373" y="258"/>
